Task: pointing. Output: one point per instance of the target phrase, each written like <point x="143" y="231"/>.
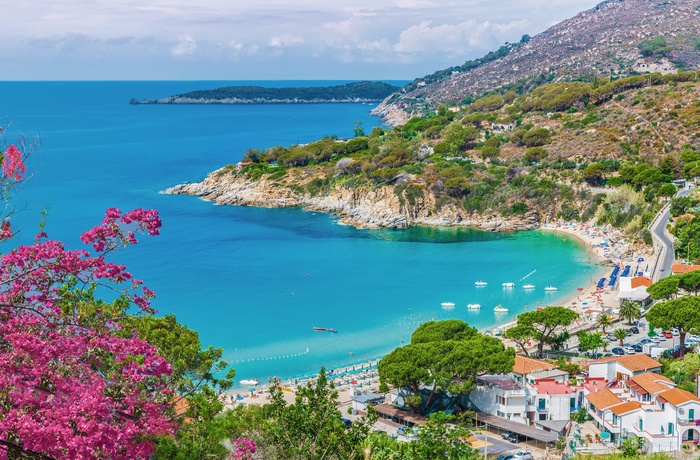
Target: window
<point x="641" y="424"/>
<point x="543" y="416"/>
<point x="541" y="404"/>
<point x="691" y="414"/>
<point x="670" y="429"/>
<point x="572" y="403"/>
<point x="614" y="421"/>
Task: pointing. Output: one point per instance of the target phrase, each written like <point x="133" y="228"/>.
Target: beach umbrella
<point x="251" y="389"/>
<point x="580" y="289"/>
<point x="353" y="382"/>
<point x="239" y="398"/>
<point x="641" y="259"/>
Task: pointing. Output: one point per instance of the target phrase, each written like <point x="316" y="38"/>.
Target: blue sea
<point x="256" y="281"/>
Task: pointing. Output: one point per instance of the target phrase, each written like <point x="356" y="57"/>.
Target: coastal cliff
<point x="361" y="207"/>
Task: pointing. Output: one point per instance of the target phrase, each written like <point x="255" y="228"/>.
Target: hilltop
<point x="617" y="38"/>
<point x="499" y="163"/>
<point x="363" y="91"/>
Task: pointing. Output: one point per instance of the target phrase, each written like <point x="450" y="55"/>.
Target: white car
<point x="675" y="332"/>
<point x="657" y="339"/>
<point x="522" y="455"/>
<point x="629" y="350"/>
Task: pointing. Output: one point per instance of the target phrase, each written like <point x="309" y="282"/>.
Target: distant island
<point x="363" y="91"/>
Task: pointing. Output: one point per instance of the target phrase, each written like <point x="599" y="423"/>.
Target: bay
<point x="256" y="281"/>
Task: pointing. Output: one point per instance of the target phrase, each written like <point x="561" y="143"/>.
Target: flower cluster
<point x="70" y="388"/>
<point x="245" y="448"/>
<point x="12" y="163"/>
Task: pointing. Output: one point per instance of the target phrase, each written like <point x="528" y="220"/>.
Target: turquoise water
<point x="256" y="281"/>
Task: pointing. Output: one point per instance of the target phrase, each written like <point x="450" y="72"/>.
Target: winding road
<point x="663" y="241"/>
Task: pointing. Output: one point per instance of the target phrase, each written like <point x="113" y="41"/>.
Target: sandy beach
<point x="606" y="247"/>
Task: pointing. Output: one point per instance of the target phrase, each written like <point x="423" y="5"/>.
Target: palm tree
<point x="604" y="321"/>
<point x="620" y="334"/>
<point x="630" y="311"/>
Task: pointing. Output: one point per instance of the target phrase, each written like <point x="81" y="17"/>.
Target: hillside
<point x="615" y="39"/>
<point x="363" y="91"/>
<point x="499" y="163"/>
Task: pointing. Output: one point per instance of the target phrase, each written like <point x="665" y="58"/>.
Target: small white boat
<point x="473" y="306"/>
<point x="447" y="305"/>
<point x="249" y="382"/>
<point x="500" y="309"/>
<point x="550" y="288"/>
<point x="507" y="285"/>
<point x="481" y="283"/>
<point x="529" y="286"/>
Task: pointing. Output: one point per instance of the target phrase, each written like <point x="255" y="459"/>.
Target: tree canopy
<point x="682" y="313"/>
<point x="446" y="356"/>
<point x="545" y="323"/>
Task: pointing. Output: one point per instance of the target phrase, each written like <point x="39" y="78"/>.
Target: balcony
<point x="688" y="422"/>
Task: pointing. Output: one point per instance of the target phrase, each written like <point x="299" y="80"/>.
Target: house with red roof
<point x="649" y="406"/>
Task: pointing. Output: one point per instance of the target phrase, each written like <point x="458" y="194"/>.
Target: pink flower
<point x="12" y="164"/>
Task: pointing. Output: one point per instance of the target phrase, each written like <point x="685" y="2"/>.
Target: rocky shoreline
<point x="256" y="100"/>
<point x="361" y="207"/>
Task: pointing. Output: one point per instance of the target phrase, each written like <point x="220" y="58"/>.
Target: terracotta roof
<point x="525" y="365"/>
<point x="624" y="408"/>
<point x="676" y="396"/>
<point x="635" y="363"/>
<point x="683" y="268"/>
<point x="640" y="281"/>
<point x="603" y="399"/>
<point x="552" y="387"/>
<point x="650" y="383"/>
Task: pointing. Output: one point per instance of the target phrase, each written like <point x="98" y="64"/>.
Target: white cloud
<point x="285" y="40"/>
<point x="185" y="47"/>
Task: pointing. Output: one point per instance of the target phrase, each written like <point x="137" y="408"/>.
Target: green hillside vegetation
<point x="508" y="154"/>
<point x="367" y="90"/>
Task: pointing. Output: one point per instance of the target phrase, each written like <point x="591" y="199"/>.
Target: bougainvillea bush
<point x="71" y="388"/>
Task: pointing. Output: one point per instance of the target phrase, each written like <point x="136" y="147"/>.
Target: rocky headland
<point x="362" y="207"/>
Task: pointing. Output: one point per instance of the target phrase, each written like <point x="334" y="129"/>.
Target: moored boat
<point x="330" y="329"/>
<point x="481" y="283"/>
<point x="550" y="288"/>
<point x="473" y="306"/>
<point x="500" y="309"/>
<point x="249" y="382"/>
<point x="508" y="285"/>
<point x="448" y="305"/>
<point x="529" y="286"/>
<point x="320" y="329"/>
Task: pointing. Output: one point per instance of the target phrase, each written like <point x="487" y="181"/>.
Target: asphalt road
<point x="658" y="230"/>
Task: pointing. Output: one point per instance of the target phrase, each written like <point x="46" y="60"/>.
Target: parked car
<point x="668" y="334"/>
<point x="645" y="340"/>
<point x="611" y="337"/>
<point x="675" y="332"/>
<point x="505" y="457"/>
<point x="505" y="434"/>
<point x="514" y="437"/>
<point x="637" y="347"/>
<point x="630" y="350"/>
<point x="657" y="339"/>
<point x="634" y="330"/>
<point x="618" y="351"/>
<point x="347" y="422"/>
<point x="522" y="455"/>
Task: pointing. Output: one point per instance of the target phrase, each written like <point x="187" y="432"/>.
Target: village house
<point x="634" y="289"/>
<point x="620" y="368"/>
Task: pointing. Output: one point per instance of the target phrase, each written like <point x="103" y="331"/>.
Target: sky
<point x="260" y="39"/>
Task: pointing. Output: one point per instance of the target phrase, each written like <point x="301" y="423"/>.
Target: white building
<point x="647" y="406"/>
<point x="620" y="368"/>
<point x="502" y="396"/>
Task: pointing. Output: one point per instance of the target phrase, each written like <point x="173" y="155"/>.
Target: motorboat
<point x="500" y="309"/>
<point x="550" y="288"/>
<point x="529" y="286"/>
<point x="508" y="285"/>
<point x="473" y="306"/>
<point x="447" y="305"/>
<point x="481" y="283"/>
<point x="319" y="329"/>
<point x="249" y="382"/>
<point x="330" y="329"/>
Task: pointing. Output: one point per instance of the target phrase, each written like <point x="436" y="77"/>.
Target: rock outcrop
<point x="362" y="207"/>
